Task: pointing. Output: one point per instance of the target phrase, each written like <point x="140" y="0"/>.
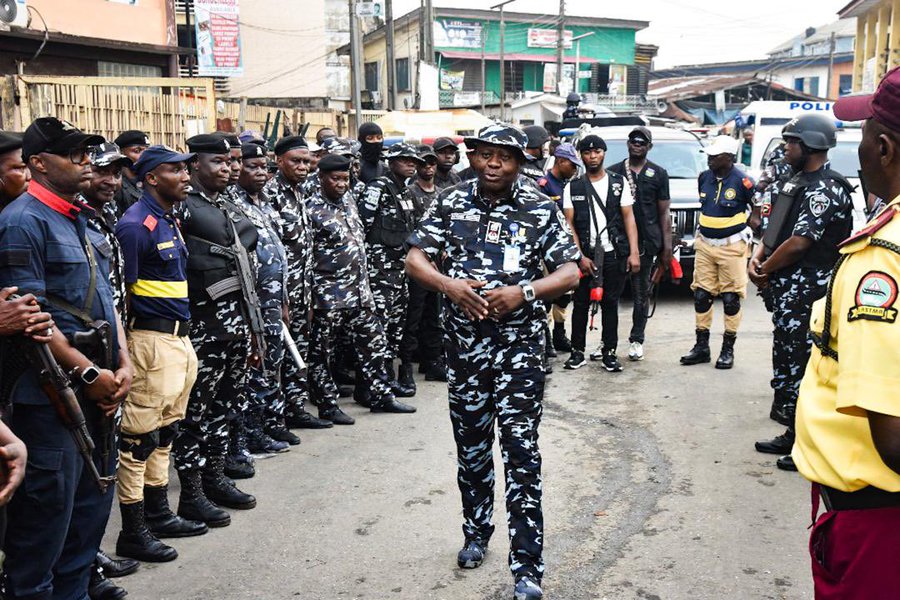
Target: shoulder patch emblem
<point x="730" y="194"/>
<point x="649" y="172"/>
<point x="150" y="222"/>
<point x="875" y="298"/>
<point x="818" y="204"/>
<point x="747" y="183"/>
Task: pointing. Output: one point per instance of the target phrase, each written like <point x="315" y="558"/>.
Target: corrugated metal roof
<point x="673" y="89"/>
<point x="841" y="28"/>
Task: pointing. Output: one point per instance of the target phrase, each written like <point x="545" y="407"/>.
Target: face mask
<point x="371" y="151"/>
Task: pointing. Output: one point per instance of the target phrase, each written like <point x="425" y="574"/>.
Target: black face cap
<point x="49" y="134"/>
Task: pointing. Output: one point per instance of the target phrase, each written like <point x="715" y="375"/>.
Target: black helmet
<point x="815" y="131"/>
<point x="537" y="136"/>
<point x="573" y="98"/>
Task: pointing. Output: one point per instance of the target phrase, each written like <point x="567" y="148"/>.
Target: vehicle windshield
<point x="682" y="159"/>
<point x="844" y="158"/>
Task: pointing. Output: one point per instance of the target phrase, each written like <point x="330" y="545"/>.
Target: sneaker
<point x="576" y="361"/>
<point x="611" y="363"/>
<point x="598" y="353"/>
<point x="472" y="554"/>
<point x="636" y="351"/>
<point x="527" y="589"/>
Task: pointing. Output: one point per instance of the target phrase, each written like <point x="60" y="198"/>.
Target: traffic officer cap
<point x="10" y="140"/>
<point x="722" y="144"/>
<point x="107" y="154"/>
<point x="883" y="105"/>
<point x="334" y="162"/>
<point x="402" y="150"/>
<point x="444" y="142"/>
<point x="208" y="143"/>
<point x="591" y="142"/>
<point x="567" y="151"/>
<point x="537" y="136"/>
<point x="336" y="145"/>
<point x="132" y="137"/>
<point x="252" y="150"/>
<point x="425" y="151"/>
<point x="640" y="134"/>
<point x="500" y="134"/>
<point x="157" y="155"/>
<point x="291" y="142"/>
<point x="814" y="131"/>
<point x="49" y="134"/>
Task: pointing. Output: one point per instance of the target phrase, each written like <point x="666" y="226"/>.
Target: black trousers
<point x="422" y="335"/>
<point x="640" y="290"/>
<point x="613" y="284"/>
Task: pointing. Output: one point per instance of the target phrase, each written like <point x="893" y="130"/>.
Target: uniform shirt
<point x="552" y="187"/>
<point x="43" y="251"/>
<point x="651" y="186"/>
<point x="509" y="243"/>
<point x="386" y="198"/>
<point x="834" y="442"/>
<point x="825" y="205"/>
<point x="271" y="263"/>
<point x="155" y="261"/>
<point x="601" y="186"/>
<point x="724" y="203"/>
<point x="425" y="198"/>
<point x="443" y="181"/>
<point x="130" y="192"/>
<point x="104" y="222"/>
<point x="340" y="278"/>
<point x="287" y="200"/>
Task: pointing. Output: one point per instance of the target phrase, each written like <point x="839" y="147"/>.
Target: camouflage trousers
<point x="489" y="382"/>
<point x="391" y="298"/>
<point x="218" y="396"/>
<point x="295" y="381"/>
<point x="367" y="337"/>
<point x="264" y="384"/>
<point x="793" y="293"/>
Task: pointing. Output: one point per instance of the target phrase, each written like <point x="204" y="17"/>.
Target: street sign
<point x="369" y="9"/>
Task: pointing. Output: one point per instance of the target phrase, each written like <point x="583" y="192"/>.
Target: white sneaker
<point x="636" y="351"/>
<point x="598" y="353"/>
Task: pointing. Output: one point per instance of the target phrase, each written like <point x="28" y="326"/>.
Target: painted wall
<point x="406" y="45"/>
<point x="143" y="23"/>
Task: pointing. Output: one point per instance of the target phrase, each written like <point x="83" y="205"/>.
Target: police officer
<point x="344" y="147"/>
<point x="132" y="143"/>
<point x="371" y="138"/>
<point x="536" y="152"/>
<point x="447" y="154"/>
<point x="848" y="420"/>
<point x="214" y="233"/>
<point x="649" y="184"/>
<point x="54" y="532"/>
<point x="721" y="249"/>
<point x="14" y="173"/>
<point x="285" y="196"/>
<point x="155" y="276"/>
<point x="343" y="296"/>
<point x="599" y="209"/>
<point x="389" y="212"/>
<point x="497" y="235"/>
<point x="810" y="217"/>
<point x="572" y="102"/>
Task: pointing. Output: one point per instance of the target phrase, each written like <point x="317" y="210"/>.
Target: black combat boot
<point x="400" y="390"/>
<point x="436" y="370"/>
<point x="298" y="418"/>
<point x="726" y="356"/>
<point x="549" y="350"/>
<point x="220" y="490"/>
<point x="361" y="396"/>
<point x="161" y="521"/>
<point x="235" y="468"/>
<point x="560" y="341"/>
<point x="700" y="352"/>
<point x="101" y="588"/>
<point x="135" y="540"/>
<point x="113" y="567"/>
<point x="780" y="444"/>
<point x="783" y="406"/>
<point x="195" y="506"/>
<point x="405" y="376"/>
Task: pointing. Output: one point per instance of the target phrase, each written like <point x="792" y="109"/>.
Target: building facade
<point x="877" y="40"/>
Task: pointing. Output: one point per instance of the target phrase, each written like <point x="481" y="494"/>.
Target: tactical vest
<point x="583" y="193"/>
<point x="786" y="213"/>
<point x="533" y="168"/>
<point x="206" y="234"/>
<point x="392" y="231"/>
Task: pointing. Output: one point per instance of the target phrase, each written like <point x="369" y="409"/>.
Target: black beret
<point x="334" y="162"/>
<point x="9" y="141"/>
<point x="291" y="142"/>
<point x="208" y="143"/>
<point x="233" y="140"/>
<point x="132" y="137"/>
<point x="591" y="142"/>
<point x="251" y="150"/>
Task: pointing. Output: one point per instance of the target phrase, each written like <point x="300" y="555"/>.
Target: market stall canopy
<point x="420" y="124"/>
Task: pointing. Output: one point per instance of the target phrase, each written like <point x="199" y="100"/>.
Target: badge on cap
<point x="875" y="298"/>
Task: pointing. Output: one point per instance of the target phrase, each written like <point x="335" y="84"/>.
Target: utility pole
<point x="502" y="58"/>
<point x="831" y="45"/>
<point x="561" y="47"/>
<point x="483" y="84"/>
<point x="429" y="31"/>
<point x="391" y="65"/>
<point x="355" y="63"/>
<point x="577" y="41"/>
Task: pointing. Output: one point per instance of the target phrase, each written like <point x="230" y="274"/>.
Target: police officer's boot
<point x="220" y="490"/>
<point x="101" y="588"/>
<point x="726" y="356"/>
<point x="135" y="540"/>
<point x="560" y="341"/>
<point x="700" y="352"/>
<point x="783" y="405"/>
<point x="405" y="376"/>
<point x="400" y="390"/>
<point x="161" y="521"/>
<point x="780" y="444"/>
<point x="549" y="350"/>
<point x="116" y="567"/>
<point x="436" y="370"/>
<point x="195" y="506"/>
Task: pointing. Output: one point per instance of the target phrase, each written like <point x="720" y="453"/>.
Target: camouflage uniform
<point x="494" y="369"/>
<point x="390" y="205"/>
<point x="342" y="298"/>
<point x="287" y="201"/>
<point x="105" y="224"/>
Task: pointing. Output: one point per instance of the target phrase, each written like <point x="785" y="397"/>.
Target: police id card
<point x="511" y="257"/>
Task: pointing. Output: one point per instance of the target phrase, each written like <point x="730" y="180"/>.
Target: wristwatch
<point x="528" y="292"/>
<point x="88" y="375"/>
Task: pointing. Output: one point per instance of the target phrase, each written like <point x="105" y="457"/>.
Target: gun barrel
<point x="292" y="346"/>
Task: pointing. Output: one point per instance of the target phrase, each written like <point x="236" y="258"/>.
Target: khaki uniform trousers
<point x="720" y="269"/>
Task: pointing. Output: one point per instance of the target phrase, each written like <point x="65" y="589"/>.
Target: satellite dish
<point x="8" y="11"/>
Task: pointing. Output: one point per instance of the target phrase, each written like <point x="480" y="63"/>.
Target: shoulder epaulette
<point x="747" y="183"/>
<point x="883" y="218"/>
<point x="150" y="222"/>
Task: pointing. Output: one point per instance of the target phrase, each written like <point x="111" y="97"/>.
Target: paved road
<point x="652" y="490"/>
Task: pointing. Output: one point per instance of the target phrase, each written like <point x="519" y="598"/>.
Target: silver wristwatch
<point x="88" y="375"/>
<point x="528" y="292"/>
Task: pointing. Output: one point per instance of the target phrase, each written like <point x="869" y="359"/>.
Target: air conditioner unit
<point x="13" y="13"/>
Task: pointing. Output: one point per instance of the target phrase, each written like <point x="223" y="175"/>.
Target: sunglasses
<point x="78" y="155"/>
<point x="639" y="143"/>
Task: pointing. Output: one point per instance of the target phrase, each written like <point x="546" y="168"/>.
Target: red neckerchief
<point x="48" y="198"/>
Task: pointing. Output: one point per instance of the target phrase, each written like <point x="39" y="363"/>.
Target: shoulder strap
<point x="82" y="314"/>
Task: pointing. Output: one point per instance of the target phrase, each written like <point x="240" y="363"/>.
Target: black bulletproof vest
<point x="582" y="188"/>
<point x="392" y="228"/>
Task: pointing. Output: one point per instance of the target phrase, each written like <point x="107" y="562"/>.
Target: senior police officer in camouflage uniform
<point x="498" y="235"/>
<point x="810" y="216"/>
<point x="342" y="296"/>
<point x="389" y="212"/>
<point x="216" y="234"/>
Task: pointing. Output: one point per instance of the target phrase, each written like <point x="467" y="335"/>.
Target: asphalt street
<point x="652" y="489"/>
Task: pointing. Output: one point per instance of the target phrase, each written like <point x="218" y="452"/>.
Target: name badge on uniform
<point x="511" y="257"/>
<point x="406" y="205"/>
<point x="493" y="232"/>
